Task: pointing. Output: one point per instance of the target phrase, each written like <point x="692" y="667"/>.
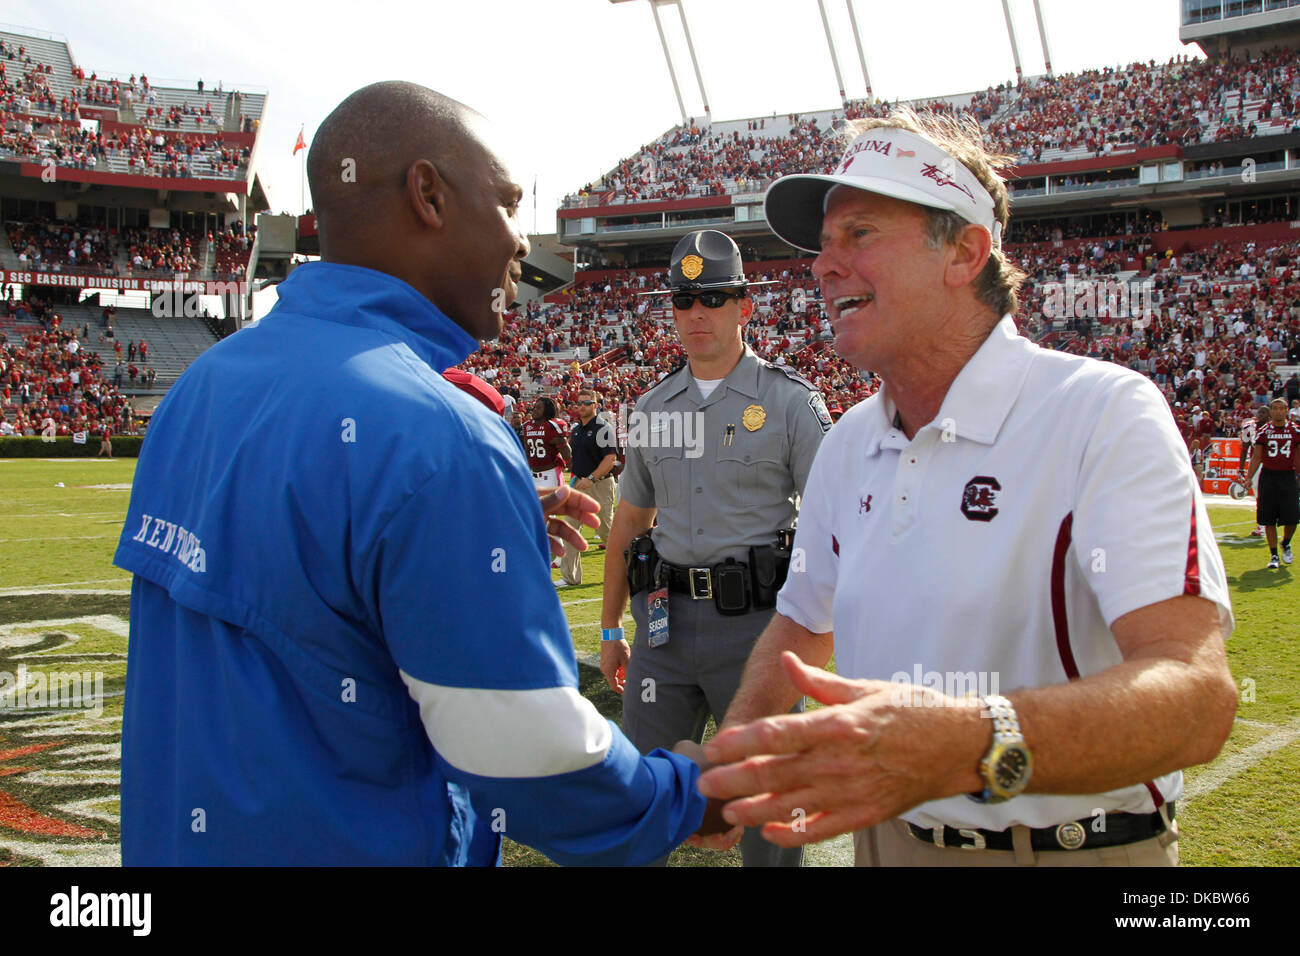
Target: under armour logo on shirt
<point x="864" y="505"/>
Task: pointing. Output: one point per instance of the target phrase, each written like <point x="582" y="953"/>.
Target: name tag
<point x="657" y="617"/>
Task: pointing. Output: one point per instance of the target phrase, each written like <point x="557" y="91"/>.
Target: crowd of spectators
<point x="141" y="150"/>
<point x="232" y="248"/>
<point x="50" y="246"/>
<point x="24" y="82"/>
<point x="25" y="91"/>
<point x="60" y="247"/>
<point x="1223" y="320"/>
<point x="1150" y="104"/>
<point x="51" y="383"/>
<point x="1144" y="104"/>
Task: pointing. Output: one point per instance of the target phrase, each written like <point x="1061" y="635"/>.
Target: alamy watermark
<point x="36" y="690"/>
<point x="1093" y="298"/>
<point x="663" y="430"/>
<point x="923" y="689"/>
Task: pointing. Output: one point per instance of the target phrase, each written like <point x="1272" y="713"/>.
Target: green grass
<point x="58" y="541"/>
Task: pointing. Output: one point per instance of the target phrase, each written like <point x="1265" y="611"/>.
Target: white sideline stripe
<point x="1220" y="773"/>
<point x="65" y="514"/>
<point x="512" y="733"/>
<point x="581" y="601"/>
<point x="40" y="588"/>
<point x="33" y="593"/>
<point x="71" y="537"/>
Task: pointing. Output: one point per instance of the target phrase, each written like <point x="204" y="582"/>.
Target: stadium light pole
<point x="668" y="57"/>
<point x="830" y="42"/>
<point x="1015" y="47"/>
<point x="1042" y="35"/>
<point x="672" y="70"/>
<point x="690" y="46"/>
<point x="857" y="38"/>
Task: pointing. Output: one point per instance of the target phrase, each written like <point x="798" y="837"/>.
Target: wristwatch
<point x="1007" y="766"/>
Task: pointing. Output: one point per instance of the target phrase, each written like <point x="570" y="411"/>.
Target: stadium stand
<point x="50" y="375"/>
<point x="142" y="129"/>
<point x="173" y="342"/>
<point x="1068" y="117"/>
<point x="120" y="217"/>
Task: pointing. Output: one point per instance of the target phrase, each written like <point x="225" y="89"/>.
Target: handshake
<point x="714" y="833"/>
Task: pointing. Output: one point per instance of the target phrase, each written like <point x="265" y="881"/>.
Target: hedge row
<point x="124" y="446"/>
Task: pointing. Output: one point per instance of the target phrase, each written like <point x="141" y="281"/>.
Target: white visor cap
<point x="889" y="161"/>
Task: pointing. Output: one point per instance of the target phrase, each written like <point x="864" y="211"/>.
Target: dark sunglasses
<point x="586" y="403"/>
<point x="710" y="300"/>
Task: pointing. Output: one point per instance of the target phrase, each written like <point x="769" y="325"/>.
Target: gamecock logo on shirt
<point x="979" y="499"/>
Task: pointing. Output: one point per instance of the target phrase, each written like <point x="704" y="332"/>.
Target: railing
<point x="1100" y="184"/>
<point x="1233" y="172"/>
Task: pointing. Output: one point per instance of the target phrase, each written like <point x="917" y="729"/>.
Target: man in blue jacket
<point x="345" y="647"/>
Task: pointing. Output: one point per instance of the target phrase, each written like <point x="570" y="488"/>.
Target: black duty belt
<point x="697" y="582"/>
<point x="1119" y="829"/>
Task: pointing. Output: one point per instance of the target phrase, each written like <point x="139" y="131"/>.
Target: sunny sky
<point x="579" y="84"/>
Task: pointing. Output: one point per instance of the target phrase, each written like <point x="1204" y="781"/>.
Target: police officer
<point x="716" y="451"/>
<point x="595" y="459"/>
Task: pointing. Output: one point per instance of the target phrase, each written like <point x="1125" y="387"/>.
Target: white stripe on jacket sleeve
<point x="512" y="733"/>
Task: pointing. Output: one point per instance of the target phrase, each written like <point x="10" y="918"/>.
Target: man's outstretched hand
<point x="564" y="502"/>
<point x="875" y="751"/>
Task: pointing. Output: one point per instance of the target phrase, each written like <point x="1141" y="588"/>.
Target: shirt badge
<point x="753" y="418"/>
<point x="979" y="499"/>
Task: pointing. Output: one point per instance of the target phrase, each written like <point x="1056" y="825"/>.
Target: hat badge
<point x="692" y="266"/>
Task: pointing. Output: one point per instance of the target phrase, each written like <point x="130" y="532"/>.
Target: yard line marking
<point x="1256" y="723"/>
<point x="105" y="622"/>
<point x="1220" y="773"/>
<point x="70" y="537"/>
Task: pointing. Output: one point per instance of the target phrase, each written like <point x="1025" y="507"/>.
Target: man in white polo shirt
<point x="999" y="520"/>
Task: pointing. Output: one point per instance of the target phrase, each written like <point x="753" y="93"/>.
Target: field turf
<point x="63" y="607"/>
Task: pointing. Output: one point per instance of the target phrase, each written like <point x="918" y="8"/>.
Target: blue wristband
<point x="611" y="634"/>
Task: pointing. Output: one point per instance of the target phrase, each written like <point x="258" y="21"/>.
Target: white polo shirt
<point x="1051" y="495"/>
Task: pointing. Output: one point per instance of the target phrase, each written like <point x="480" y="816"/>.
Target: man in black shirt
<point x="595" y="454"/>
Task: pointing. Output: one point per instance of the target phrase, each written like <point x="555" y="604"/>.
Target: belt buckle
<point x="705" y="578"/>
<point x="1071" y="836"/>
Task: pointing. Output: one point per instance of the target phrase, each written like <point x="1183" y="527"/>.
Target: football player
<point x="546" y="440"/>
<point x="1277" y="453"/>
<point x="1249" y="426"/>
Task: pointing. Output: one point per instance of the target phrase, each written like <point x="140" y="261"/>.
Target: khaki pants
<point x="892" y="844"/>
<point x="604" y="493"/>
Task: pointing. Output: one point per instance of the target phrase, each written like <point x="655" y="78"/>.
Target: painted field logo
<point x="40" y="691"/>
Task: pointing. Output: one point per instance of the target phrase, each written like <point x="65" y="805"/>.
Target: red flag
<point x="299" y="144"/>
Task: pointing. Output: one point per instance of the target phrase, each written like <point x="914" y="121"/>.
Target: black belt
<point x="1120" y="828"/>
<point x="697" y="582"/>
